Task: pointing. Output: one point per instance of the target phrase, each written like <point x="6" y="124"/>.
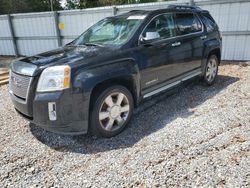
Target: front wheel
<point x="211" y="70"/>
<point x="111" y="111"/>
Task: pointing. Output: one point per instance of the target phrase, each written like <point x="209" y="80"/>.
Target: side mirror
<point x="150" y="36"/>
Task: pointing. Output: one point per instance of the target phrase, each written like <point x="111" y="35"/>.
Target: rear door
<point x="190" y="35"/>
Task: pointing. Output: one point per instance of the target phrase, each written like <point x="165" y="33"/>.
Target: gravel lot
<point x="199" y="136"/>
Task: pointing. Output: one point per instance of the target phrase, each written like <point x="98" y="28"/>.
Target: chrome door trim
<point x="161" y="89"/>
<point x="191" y="76"/>
<point x="177" y="36"/>
<point x="171" y="84"/>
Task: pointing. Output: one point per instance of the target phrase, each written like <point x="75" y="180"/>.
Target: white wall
<point x="234" y="22"/>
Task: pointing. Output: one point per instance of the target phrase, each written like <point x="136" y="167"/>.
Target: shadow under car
<point x="150" y="116"/>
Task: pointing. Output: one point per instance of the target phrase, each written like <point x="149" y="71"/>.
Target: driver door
<point x="159" y="51"/>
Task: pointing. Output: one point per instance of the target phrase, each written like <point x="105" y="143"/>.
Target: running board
<point x="171" y="85"/>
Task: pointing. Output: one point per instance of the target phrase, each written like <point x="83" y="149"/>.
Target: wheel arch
<point x="127" y="81"/>
<point x="215" y="52"/>
<point x="211" y="48"/>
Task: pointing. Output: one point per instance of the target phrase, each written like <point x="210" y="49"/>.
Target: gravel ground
<point x="199" y="136"/>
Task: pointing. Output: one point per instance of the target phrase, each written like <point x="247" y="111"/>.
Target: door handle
<point x="176" y="44"/>
<point x="203" y="37"/>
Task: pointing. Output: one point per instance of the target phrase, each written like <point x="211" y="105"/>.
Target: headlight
<point x="54" y="78"/>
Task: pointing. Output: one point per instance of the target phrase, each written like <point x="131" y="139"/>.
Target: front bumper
<point x="71" y="111"/>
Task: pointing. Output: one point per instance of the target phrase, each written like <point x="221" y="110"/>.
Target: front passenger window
<point x="162" y="25"/>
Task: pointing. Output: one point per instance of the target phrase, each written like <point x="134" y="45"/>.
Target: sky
<point x="63" y="3"/>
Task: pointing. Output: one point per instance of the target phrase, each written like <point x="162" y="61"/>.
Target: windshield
<point x="111" y="31"/>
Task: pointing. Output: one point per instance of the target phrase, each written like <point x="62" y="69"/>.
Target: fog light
<point x="52" y="111"/>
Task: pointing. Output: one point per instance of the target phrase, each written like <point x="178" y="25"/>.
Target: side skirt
<point x="175" y="83"/>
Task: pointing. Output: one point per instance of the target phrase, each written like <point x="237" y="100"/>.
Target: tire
<point x="111" y="111"/>
<point x="211" y="70"/>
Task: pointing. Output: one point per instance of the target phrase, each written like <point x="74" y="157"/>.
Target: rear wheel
<point x="211" y="70"/>
<point x="111" y="111"/>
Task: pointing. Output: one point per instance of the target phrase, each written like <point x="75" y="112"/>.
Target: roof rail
<point x="135" y="10"/>
<point x="184" y="7"/>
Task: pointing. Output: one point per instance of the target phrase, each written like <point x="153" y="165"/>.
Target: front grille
<point x="19" y="85"/>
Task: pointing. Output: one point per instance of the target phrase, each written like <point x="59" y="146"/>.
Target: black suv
<point x="93" y="83"/>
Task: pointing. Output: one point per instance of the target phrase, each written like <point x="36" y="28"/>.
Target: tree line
<point x="22" y="6"/>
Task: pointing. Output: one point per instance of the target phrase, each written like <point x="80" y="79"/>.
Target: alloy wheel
<point x="211" y="70"/>
<point x="114" y="111"/>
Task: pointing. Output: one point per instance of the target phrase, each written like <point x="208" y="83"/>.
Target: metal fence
<point x="32" y="33"/>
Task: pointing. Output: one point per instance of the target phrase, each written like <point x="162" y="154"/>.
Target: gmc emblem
<point x="16" y="81"/>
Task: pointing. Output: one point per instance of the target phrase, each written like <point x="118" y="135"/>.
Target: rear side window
<point x="187" y="23"/>
<point x="209" y="22"/>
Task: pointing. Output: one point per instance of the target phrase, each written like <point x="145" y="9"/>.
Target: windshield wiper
<point x="92" y="44"/>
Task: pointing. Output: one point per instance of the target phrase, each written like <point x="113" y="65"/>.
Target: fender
<point x="87" y="78"/>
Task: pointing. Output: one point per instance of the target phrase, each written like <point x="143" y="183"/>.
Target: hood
<point x="66" y="54"/>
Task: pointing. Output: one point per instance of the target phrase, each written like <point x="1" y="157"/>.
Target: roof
<point x="181" y="8"/>
<point x="170" y="8"/>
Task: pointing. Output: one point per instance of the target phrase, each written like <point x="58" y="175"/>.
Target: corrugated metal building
<point x="32" y="33"/>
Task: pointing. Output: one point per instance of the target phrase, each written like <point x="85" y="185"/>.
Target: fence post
<point x="191" y="2"/>
<point x="12" y="35"/>
<point x="114" y="10"/>
<point x="58" y="33"/>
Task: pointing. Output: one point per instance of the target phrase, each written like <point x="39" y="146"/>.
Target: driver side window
<point x="161" y="26"/>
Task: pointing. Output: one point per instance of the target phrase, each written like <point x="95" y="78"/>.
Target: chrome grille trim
<point x="19" y="85"/>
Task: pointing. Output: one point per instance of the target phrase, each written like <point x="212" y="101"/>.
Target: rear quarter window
<point x="209" y="22"/>
<point x="187" y="23"/>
